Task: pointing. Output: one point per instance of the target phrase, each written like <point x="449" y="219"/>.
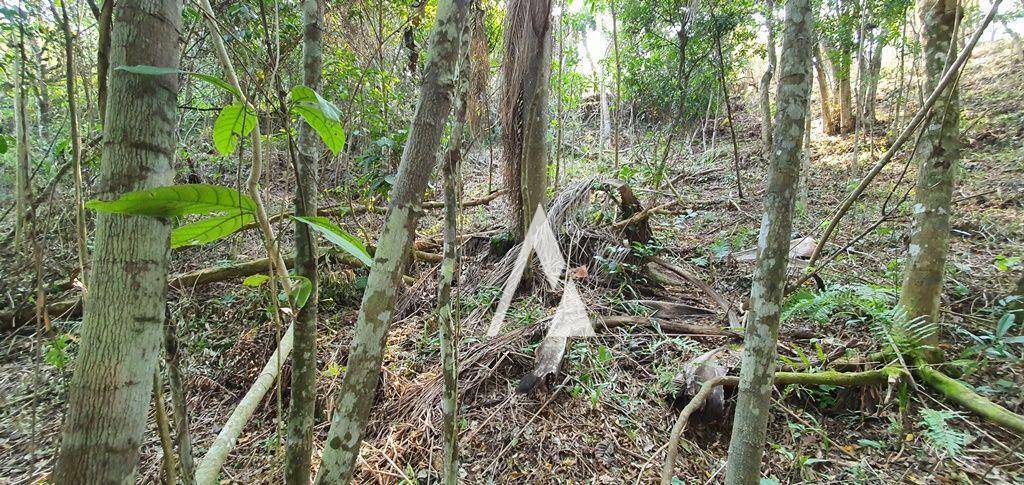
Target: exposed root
<point x="957" y="392"/>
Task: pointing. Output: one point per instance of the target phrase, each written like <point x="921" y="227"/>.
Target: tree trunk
<point x="766" y="78"/>
<point x="42" y="90"/>
<point x="76" y="138"/>
<point x="109" y="394"/>
<point x="874" y="74"/>
<point x="478" y="113"/>
<point x="524" y="106"/>
<point x="22" y="181"/>
<point x="304" y="370"/>
<point x="762" y="327"/>
<point x="355" y="397"/>
<point x="447" y="312"/>
<point x="829" y="122"/>
<point x="939" y="152"/>
<point x="103" y="56"/>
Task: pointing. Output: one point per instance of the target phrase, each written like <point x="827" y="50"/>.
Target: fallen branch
<point x="828" y="378"/>
<point x="734" y="319"/>
<point x="209" y="466"/>
<point x="675" y="327"/>
<point x="957" y="392"/>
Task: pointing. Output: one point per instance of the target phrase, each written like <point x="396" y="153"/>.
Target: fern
<point x="852" y="302"/>
<point x="905" y="336"/>
<point x="940" y="435"/>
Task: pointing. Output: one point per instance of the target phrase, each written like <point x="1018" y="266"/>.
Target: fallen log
<point x="959" y="393"/>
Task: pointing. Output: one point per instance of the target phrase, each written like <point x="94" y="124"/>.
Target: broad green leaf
<point x="177" y="200"/>
<point x="210" y="229"/>
<point x="321" y="115"/>
<point x="301" y="289"/>
<point x="255" y="280"/>
<point x="3" y="144"/>
<point x="233" y="122"/>
<point x="339" y="237"/>
<point x="160" y="71"/>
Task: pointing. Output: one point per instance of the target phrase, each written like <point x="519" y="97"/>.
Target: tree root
<point x="959" y="393"/>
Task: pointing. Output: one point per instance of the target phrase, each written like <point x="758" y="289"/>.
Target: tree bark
<point x="76" y="137"/>
<point x="447" y="312"/>
<point x="939" y="153"/>
<point x="355" y="397"/>
<point x="22" y="181"/>
<point x="109" y="394"/>
<point x="524" y="107"/>
<point x="766" y="78"/>
<point x="762" y="329"/>
<point x="103" y="56"/>
<point x="829" y="123"/>
<point x="304" y="368"/>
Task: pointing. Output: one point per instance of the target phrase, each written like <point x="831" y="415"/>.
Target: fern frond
<point x="939" y="434"/>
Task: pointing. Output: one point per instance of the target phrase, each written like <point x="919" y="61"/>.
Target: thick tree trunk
<point x="478" y="112"/>
<point x="355" y="397"/>
<point x="304" y="370"/>
<point x="939" y="152"/>
<point x="109" y="394"/>
<point x="766" y="78"/>
<point x="762" y="327"/>
<point x="829" y="122"/>
<point x="524" y="106"/>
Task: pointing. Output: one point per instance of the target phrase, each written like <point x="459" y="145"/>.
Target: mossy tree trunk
<point x="524" y="103"/>
<point x="302" y="401"/>
<point x="109" y="394"/>
<point x="355" y="397"/>
<point x="762" y="327"/>
<point x="939" y="152"/>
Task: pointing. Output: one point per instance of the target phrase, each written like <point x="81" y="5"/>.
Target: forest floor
<point x="605" y="418"/>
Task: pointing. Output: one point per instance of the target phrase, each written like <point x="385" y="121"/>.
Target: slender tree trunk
<point x="524" y="106"/>
<point x="22" y="181"/>
<point x="478" y="112"/>
<point x="163" y="426"/>
<point x="766" y="78"/>
<point x="447" y="312"/>
<point x="938" y="155"/>
<point x="728" y="113"/>
<point x="103" y="56"/>
<point x="76" y="138"/>
<point x="355" y="397"/>
<point x="42" y="90"/>
<point x="304" y="370"/>
<point x="618" y="87"/>
<point x="179" y="405"/>
<point x="109" y="394"/>
<point x="762" y="327"/>
<point x="874" y="74"/>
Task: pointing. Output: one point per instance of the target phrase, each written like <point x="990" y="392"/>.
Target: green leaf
<point x="161" y="71"/>
<point x="233" y="122"/>
<point x="210" y="229"/>
<point x="255" y="280"/>
<point x="339" y="237"/>
<point x="3" y="144"/>
<point x="301" y="289"/>
<point x="321" y="115"/>
<point x="177" y="200"/>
